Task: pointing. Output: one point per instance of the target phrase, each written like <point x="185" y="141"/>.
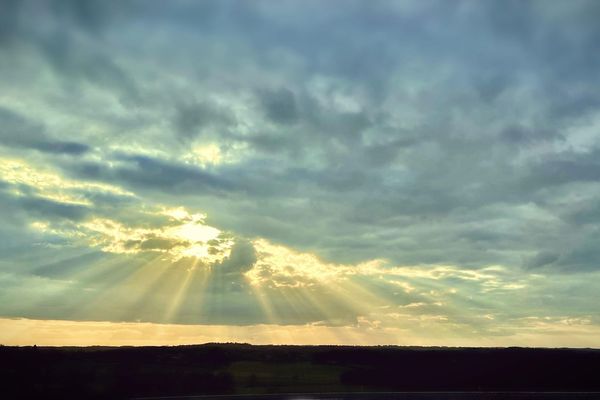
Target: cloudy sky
<point x="402" y="172"/>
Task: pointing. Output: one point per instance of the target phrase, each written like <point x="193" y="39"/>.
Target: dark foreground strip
<point x="395" y="396"/>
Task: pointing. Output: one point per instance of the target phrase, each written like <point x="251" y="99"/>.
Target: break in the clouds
<point x="412" y="171"/>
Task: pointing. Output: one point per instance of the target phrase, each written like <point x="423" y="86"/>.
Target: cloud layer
<point x="429" y="165"/>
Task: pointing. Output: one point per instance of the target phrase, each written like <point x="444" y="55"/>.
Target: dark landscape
<point x="240" y="369"/>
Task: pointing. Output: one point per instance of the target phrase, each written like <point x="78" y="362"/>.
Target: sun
<point x="204" y="241"/>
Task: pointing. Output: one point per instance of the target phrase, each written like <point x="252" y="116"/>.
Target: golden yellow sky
<point x="27" y="332"/>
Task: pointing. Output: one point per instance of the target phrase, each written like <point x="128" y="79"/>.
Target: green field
<point x="254" y="377"/>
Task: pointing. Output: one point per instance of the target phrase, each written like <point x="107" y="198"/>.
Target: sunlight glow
<point x="208" y="154"/>
<point x="189" y="237"/>
<point x="164" y="267"/>
<point x="281" y="266"/>
<point x="50" y="185"/>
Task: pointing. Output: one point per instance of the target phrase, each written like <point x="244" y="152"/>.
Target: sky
<point x="326" y="172"/>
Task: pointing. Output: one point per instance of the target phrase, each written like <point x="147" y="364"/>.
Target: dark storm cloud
<point x="542" y="259"/>
<point x="39" y="207"/>
<point x="566" y="168"/>
<point x="279" y="105"/>
<point x="8" y="20"/>
<point x="521" y="136"/>
<point x="159" y="244"/>
<point x="583" y="257"/>
<point x="585" y="213"/>
<point x="89" y="16"/>
<point x="65" y="34"/>
<point x="241" y="259"/>
<point x="16" y="131"/>
<point x="148" y="173"/>
<point x="30" y="206"/>
<point x="191" y="118"/>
